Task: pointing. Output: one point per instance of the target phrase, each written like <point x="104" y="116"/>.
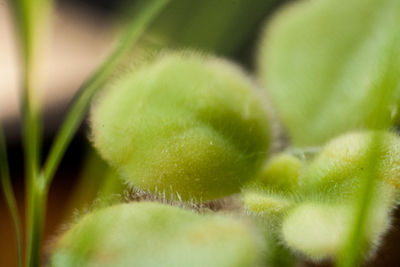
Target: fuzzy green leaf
<point x="339" y="168"/>
<point x="332" y="66"/>
<point x="186" y="126"/>
<point x="321" y="230"/>
<point x="152" y="234"/>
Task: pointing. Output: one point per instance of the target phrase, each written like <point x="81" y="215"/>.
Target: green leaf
<point x="186" y="126"/>
<point x="321" y="230"/>
<point x="262" y="203"/>
<point x="152" y="234"/>
<point x="332" y="66"/>
<point x="349" y="191"/>
<point x="281" y="173"/>
<point x="338" y="169"/>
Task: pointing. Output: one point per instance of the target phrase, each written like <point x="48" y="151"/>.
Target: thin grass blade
<point x="142" y="18"/>
<point x="10" y="196"/>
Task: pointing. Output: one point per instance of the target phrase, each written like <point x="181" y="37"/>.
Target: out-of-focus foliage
<point x="321" y="230"/>
<point x="281" y="173"/>
<point x="332" y="66"/>
<point x="152" y="234"/>
<point x="29" y="19"/>
<point x="186" y="126"/>
<point x="221" y="26"/>
<point x="317" y="217"/>
<point x="189" y="127"/>
<point x="338" y="169"/>
<point x="8" y="192"/>
<point x="271" y="193"/>
<point x="261" y="202"/>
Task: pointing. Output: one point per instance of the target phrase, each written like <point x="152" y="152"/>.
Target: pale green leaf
<point x="332" y="66"/>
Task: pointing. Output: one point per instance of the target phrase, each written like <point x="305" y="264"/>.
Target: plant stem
<point x="10" y="197"/>
<point x="37" y="208"/>
<point x="140" y="21"/>
<point x="31" y="122"/>
<point x="38" y="185"/>
<point x="28" y="19"/>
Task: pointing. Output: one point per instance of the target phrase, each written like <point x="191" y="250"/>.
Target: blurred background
<point x="81" y="34"/>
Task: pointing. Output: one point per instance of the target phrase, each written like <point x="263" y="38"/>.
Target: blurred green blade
<point x="145" y="14"/>
<point x="30" y="18"/>
<point x="10" y="197"/>
<point x="351" y="253"/>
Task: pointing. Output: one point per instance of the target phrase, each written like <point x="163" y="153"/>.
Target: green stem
<point x="31" y="133"/>
<point x="10" y="197"/>
<point x="28" y="15"/>
<point x="140" y="21"/>
<point x="31" y="130"/>
<point x="37" y="208"/>
<point x="38" y="185"/>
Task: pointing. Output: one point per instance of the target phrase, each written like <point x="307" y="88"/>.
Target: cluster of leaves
<point x="313" y="202"/>
<point x="190" y="127"/>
